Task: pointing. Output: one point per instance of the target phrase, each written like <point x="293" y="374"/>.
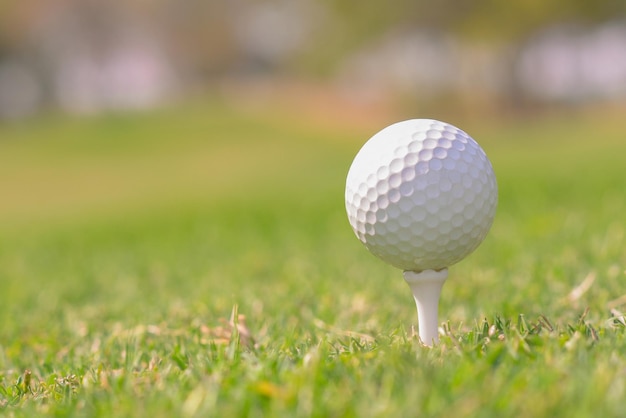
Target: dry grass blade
<point x="352" y="334"/>
<point x="582" y="288"/>
<point x="619" y="316"/>
<point x="224" y="333"/>
<point x="617" y="302"/>
<point x="545" y="322"/>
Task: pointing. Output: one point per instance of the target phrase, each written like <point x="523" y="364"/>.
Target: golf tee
<point x="426" y="287"/>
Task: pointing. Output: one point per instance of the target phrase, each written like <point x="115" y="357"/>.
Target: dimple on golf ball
<point x="421" y="194"/>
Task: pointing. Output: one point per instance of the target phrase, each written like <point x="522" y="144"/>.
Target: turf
<point x="197" y="262"/>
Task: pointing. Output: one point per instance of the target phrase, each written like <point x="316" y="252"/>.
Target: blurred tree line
<point x="67" y="50"/>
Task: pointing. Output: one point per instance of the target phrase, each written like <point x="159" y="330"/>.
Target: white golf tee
<point x="426" y="287"/>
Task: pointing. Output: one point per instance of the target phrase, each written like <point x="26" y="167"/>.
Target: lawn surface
<point x="197" y="262"/>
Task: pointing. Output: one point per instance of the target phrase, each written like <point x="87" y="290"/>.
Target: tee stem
<point x="426" y="287"/>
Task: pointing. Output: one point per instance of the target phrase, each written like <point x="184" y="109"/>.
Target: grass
<point x="197" y="262"/>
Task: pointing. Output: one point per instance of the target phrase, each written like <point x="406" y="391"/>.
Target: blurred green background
<point x="76" y="77"/>
<point x="115" y="112"/>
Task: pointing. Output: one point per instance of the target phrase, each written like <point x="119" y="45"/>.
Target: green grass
<point x="128" y="241"/>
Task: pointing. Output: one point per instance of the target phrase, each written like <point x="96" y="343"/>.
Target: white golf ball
<point x="421" y="194"/>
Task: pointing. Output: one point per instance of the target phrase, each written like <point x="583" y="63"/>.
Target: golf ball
<point x="421" y="194"/>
